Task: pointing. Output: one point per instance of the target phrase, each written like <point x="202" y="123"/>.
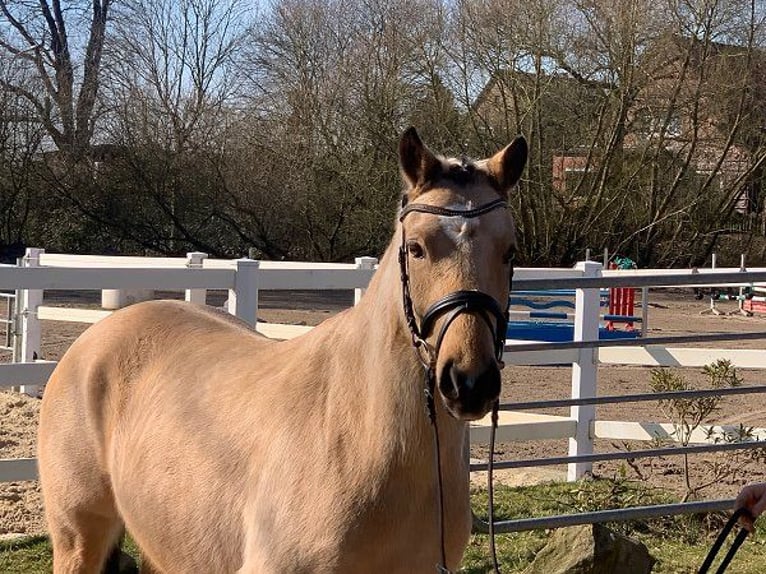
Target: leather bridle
<point x="451" y="306"/>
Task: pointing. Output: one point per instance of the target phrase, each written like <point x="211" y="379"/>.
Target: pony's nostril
<point x="458" y="379"/>
<point x="450" y="381"/>
<point x="454" y="383"/>
<point x="468" y="382"/>
<point x="469" y="396"/>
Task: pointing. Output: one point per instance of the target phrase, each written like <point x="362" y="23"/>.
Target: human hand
<point x="752" y="498"/>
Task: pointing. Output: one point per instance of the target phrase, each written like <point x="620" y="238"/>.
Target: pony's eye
<point x="509" y="256"/>
<point x="415" y="249"/>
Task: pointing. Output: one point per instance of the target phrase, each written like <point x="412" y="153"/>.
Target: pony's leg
<point x="80" y="509"/>
<point x="82" y="545"/>
<point x="83" y="521"/>
<point x="120" y="562"/>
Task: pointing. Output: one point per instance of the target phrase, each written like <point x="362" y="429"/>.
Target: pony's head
<point x="457" y="245"/>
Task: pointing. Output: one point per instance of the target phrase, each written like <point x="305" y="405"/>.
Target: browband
<point x="437" y="210"/>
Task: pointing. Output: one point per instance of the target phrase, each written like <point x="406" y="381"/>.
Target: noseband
<point x="451" y="306"/>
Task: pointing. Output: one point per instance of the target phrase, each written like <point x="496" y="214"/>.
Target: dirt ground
<point x="670" y="313"/>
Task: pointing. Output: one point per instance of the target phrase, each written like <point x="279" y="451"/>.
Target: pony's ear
<point x="418" y="165"/>
<point x="505" y="166"/>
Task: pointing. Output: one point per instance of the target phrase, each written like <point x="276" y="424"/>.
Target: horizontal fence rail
<point x="647" y="278"/>
<point x="18" y="469"/>
<point x="601" y="516"/>
<point x="85" y="278"/>
<point x="634" y="398"/>
<point x="606" y="456"/>
<point x="287" y="279"/>
<point x="65" y="260"/>
<point x="643" y="342"/>
<point x="35" y="373"/>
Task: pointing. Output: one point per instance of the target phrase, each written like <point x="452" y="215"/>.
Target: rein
<point x="451" y="306"/>
<point x="738" y="540"/>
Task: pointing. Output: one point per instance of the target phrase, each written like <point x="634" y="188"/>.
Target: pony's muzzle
<point x="469" y="396"/>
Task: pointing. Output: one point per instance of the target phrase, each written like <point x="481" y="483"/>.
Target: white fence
<point x="244" y="278"/>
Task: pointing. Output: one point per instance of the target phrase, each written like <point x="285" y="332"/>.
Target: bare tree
<point x="172" y="93"/>
<point x="219" y="128"/>
<point x="40" y="35"/>
<point x="635" y="113"/>
<point x="332" y="86"/>
<point x="177" y="68"/>
<point x="20" y="139"/>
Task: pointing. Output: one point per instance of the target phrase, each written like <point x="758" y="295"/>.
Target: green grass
<point x="33" y="555"/>
<point x="30" y="556"/>
<point x="679" y="544"/>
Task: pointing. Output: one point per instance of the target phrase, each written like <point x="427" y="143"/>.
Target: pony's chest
<point x="351" y="530"/>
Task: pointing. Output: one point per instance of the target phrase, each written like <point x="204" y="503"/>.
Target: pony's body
<point x="222" y="451"/>
<point x="171" y="433"/>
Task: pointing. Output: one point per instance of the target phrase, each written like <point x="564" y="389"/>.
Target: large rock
<point x="591" y="549"/>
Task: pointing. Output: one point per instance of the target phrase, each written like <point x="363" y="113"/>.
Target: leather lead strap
<point x="491" y="487"/>
<point x="738" y="540"/>
<point x="431" y="407"/>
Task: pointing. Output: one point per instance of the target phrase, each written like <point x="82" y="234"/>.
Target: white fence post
<point x="585" y="370"/>
<point x="113" y="299"/>
<point x="363" y="263"/>
<point x="243" y="299"/>
<point x="195" y="260"/>
<point x="30" y="300"/>
<point x="644" y="311"/>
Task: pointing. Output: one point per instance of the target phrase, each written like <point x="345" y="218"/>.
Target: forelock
<point x="459" y="170"/>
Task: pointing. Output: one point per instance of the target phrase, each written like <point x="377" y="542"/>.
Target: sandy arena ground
<point x="671" y="313"/>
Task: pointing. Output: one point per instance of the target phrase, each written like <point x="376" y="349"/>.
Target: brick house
<point x="685" y="104"/>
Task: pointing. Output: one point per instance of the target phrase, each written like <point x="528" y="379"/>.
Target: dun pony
<point x="219" y="450"/>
